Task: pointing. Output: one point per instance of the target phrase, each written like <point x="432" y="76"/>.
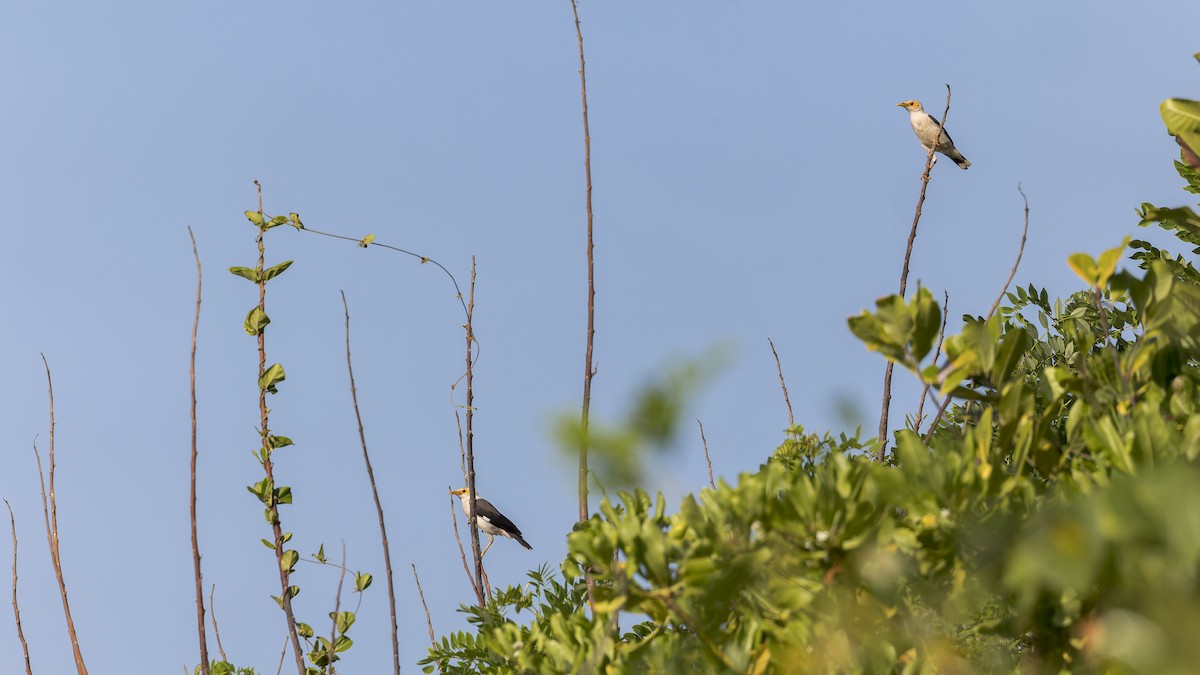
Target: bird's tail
<point x="960" y="160"/>
<point x="521" y="541"/>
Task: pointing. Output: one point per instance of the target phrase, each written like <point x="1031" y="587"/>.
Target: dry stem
<point x="212" y="610"/>
<point x="51" y="515"/>
<point x="912" y="235"/>
<point x="428" y="621"/>
<point x="387" y="555"/>
<point x="707" y="460"/>
<point x="588" y="368"/>
<point x="192" y="502"/>
<point x="16" y="608"/>
<point x="1020" y="252"/>
<point x="472" y="492"/>
<point x="783" y="385"/>
<point x="337" y="607"/>
<point x="462" y="553"/>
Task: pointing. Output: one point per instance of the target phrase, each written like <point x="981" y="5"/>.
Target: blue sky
<point x="753" y="178"/>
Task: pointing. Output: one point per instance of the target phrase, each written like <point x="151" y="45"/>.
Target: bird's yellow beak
<point x="903" y="105"/>
<point x="459" y="491"/>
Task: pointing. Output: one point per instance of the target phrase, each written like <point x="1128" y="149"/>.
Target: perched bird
<point x="926" y="126"/>
<point x="490" y="520"/>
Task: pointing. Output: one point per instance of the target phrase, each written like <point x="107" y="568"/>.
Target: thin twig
<point x="283" y="654"/>
<point x="268" y="464"/>
<point x="51" y="516"/>
<point x="462" y="553"/>
<point x="1020" y="252"/>
<point x="472" y="493"/>
<point x="706" y="458"/>
<point x="589" y="370"/>
<point x="16" y="608"/>
<point x="192" y="502"/>
<point x="387" y="555"/>
<point x="937" y="353"/>
<point x="938" y="417"/>
<point x="337" y="608"/>
<point x="912" y="235"/>
<point x="212" y="611"/>
<point x="783" y="385"/>
<point x="422" y="258"/>
<point x="428" y="621"/>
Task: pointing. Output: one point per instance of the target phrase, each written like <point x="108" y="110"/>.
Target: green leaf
<point x="255" y="217"/>
<point x="1182" y="118"/>
<point x="276" y="270"/>
<point x="295" y="218"/>
<point x="366" y="241"/>
<point x="304" y="630"/>
<point x="343" y="620"/>
<point x="268" y="544"/>
<point x="1083" y="265"/>
<point x="283" y="495"/>
<point x="277" y="442"/>
<point x="320" y="554"/>
<point x="256" y="321"/>
<point x="245" y="273"/>
<point x="362" y="581"/>
<point x="288" y="561"/>
<point x="277" y="221"/>
<point x="273" y="376"/>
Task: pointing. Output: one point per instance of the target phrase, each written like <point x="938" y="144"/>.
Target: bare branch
<point x="337" y="608"/>
<point x="463" y="554"/>
<point x="472" y="492"/>
<point x="706" y="458"/>
<point x="912" y="235"/>
<point x="212" y="609"/>
<point x="51" y="514"/>
<point x="1020" y="252"/>
<point x="589" y="370"/>
<point x="16" y="608"/>
<point x="783" y="385"/>
<point x="192" y="502"/>
<point x="387" y="555"/>
<point x="428" y="621"/>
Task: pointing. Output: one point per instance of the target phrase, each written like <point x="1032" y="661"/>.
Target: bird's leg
<point x="485" y="548"/>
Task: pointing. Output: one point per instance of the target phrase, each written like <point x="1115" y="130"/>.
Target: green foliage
<point x="1049" y="522"/>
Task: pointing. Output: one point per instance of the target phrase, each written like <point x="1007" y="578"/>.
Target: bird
<point x="490" y="520"/>
<point x="926" y="126"/>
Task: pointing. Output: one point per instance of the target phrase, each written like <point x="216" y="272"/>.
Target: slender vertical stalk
<point x="428" y="621"/>
<point x="268" y="464"/>
<point x="337" y="608"/>
<point x="387" y="554"/>
<point x="589" y="369"/>
<point x="212" y="612"/>
<point x="707" y="460"/>
<point x="51" y="516"/>
<point x="192" y="502"/>
<point x="912" y="236"/>
<point x="17" y="608"/>
<point x="475" y="552"/>
<point x="782" y="384"/>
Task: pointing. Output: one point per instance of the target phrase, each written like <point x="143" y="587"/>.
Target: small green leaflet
<point x="273" y="375"/>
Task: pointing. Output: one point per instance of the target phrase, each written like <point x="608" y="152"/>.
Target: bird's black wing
<point x="484" y="508"/>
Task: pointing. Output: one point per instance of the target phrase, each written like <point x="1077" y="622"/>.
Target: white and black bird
<point x="490" y="520"/>
<point x="927" y="127"/>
